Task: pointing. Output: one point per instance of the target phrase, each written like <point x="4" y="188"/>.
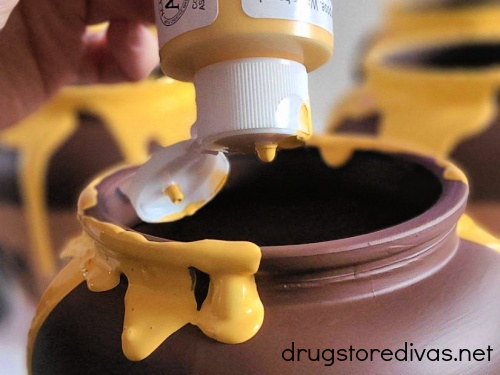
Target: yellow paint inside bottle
<point x="266" y="151"/>
<point x="160" y="298"/>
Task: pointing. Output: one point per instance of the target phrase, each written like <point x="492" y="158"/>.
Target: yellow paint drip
<point x="266" y="151"/>
<point x="160" y="298"/>
<point x="175" y="193"/>
<point x="338" y="149"/>
<point x="469" y="230"/>
<point x="306" y="120"/>
<point x="164" y="114"/>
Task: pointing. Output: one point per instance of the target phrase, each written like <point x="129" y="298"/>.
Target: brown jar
<point x="48" y="158"/>
<point x="440" y="95"/>
<point x="359" y="247"/>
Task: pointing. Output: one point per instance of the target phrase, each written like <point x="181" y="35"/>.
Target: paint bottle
<point x="249" y="62"/>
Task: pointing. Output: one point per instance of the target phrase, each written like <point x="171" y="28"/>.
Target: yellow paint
<point x="234" y="35"/>
<point x="134" y="113"/>
<point x="469" y="230"/>
<point x="306" y="121"/>
<point x="403" y="18"/>
<point x="217" y="181"/>
<point x="175" y="193"/>
<point x="98" y="28"/>
<point x="266" y="151"/>
<point x="336" y="151"/>
<point x="453" y="173"/>
<point x="431" y="108"/>
<point x="159" y="299"/>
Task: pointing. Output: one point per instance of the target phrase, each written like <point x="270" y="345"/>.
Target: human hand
<point x="44" y="45"/>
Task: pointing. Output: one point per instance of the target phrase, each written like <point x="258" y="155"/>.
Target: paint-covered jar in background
<point x="441" y="95"/>
<point x="47" y="159"/>
<point x="428" y="19"/>
<point x="347" y="242"/>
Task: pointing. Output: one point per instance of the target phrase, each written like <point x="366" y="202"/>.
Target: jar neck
<point x="371" y="267"/>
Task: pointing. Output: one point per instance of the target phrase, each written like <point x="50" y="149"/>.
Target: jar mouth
<point x="466" y="55"/>
<point x="444" y="5"/>
<point x="447" y="56"/>
<point x="408" y="195"/>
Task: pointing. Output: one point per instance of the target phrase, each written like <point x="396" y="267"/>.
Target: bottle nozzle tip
<point x="266" y="151"/>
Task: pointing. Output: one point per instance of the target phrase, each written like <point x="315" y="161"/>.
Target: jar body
<point x="454" y="308"/>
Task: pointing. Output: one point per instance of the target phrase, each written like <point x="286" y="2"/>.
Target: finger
<point x="6" y="7"/>
<point x="134" y="47"/>
<point x="125" y="52"/>
<point x="140" y="11"/>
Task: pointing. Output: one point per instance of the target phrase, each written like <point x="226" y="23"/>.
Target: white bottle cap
<point x="247" y="102"/>
<point x="176" y="182"/>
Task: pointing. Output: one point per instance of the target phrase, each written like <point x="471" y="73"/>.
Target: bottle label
<point x="316" y="12"/>
<point x="176" y="17"/>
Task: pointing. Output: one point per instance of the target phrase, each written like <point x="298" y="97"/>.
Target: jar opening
<point x="479" y="54"/>
<point x="427" y="5"/>
<point x="298" y="199"/>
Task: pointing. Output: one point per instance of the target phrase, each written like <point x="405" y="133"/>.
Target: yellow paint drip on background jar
<point x="81" y="131"/>
<point x="441" y="95"/>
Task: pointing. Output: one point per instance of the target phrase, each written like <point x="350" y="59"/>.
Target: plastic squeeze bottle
<point x="249" y="61"/>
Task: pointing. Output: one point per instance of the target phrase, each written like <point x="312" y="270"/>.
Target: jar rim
<point x="442" y="216"/>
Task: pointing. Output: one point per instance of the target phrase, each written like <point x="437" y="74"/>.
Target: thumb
<point x="6" y="7"/>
